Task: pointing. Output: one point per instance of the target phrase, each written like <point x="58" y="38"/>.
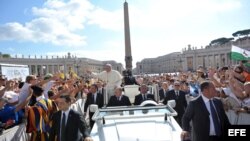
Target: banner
<point x="15" y="72"/>
<point x="239" y="54"/>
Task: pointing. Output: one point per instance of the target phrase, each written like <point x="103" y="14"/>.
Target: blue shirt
<point x="8" y="113"/>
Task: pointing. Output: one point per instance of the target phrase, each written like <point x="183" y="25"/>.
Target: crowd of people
<point x="43" y="103"/>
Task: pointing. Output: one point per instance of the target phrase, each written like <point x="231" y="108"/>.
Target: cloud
<point x="157" y="27"/>
<point x="111" y="50"/>
<point x="57" y="22"/>
<point x="111" y="20"/>
<point x="151" y="14"/>
<point x="11" y="49"/>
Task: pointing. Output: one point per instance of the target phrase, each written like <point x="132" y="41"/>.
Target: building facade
<point x="41" y="66"/>
<point x="191" y="58"/>
<point x="168" y="63"/>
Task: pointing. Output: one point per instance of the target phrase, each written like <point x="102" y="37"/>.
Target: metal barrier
<point x="16" y="133"/>
<point x="238" y="118"/>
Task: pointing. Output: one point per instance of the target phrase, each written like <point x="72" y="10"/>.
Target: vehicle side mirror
<point x="172" y="103"/>
<point x="93" y="108"/>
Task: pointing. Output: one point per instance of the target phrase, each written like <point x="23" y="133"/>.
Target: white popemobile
<point x="147" y="122"/>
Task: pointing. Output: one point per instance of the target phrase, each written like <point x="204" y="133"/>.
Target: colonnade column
<point x="53" y="68"/>
<point x="47" y="69"/>
<point x="36" y="69"/>
<point x="30" y="69"/>
<point x="226" y="63"/>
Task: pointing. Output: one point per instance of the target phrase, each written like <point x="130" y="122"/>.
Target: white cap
<point x="227" y="91"/>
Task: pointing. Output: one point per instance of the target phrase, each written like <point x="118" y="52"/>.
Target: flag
<point x="61" y="75"/>
<point x="239" y="53"/>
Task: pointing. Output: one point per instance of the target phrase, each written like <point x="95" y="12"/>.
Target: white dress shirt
<point x="95" y="95"/>
<point x="144" y="96"/>
<point x="177" y="93"/>
<point x="66" y="115"/>
<point x="212" y="129"/>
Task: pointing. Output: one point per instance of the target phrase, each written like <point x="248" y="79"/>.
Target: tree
<point x="239" y="33"/>
<point x="220" y="41"/>
<point x="6" y="56"/>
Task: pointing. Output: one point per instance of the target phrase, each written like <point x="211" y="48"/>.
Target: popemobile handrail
<point x="97" y="116"/>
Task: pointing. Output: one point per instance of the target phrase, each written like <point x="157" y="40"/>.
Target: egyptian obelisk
<point x="128" y="54"/>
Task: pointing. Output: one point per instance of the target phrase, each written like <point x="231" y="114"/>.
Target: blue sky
<point x="94" y="28"/>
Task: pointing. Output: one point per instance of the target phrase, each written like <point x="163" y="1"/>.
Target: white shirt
<point x="66" y="118"/>
<point x="112" y="78"/>
<point x="95" y="95"/>
<point x="11" y="96"/>
<point x="119" y="97"/>
<point x="144" y="96"/>
<point x="100" y="90"/>
<point x="177" y="92"/>
<point x="48" y="86"/>
<point x="206" y="101"/>
<point x="24" y="93"/>
<point x="165" y="92"/>
<point x="66" y="115"/>
<point x="228" y="92"/>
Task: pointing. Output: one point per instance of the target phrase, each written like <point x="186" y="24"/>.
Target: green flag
<point x="239" y="54"/>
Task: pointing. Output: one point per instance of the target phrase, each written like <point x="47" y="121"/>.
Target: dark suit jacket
<point x="199" y="115"/>
<point x="161" y="94"/>
<point x="101" y="90"/>
<point x="75" y="123"/>
<point x="139" y="98"/>
<point x="130" y="80"/>
<point x="181" y="103"/>
<point x="123" y="102"/>
<point x="90" y="100"/>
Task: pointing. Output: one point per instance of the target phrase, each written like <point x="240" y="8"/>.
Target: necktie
<point x="215" y="119"/>
<point x="118" y="98"/>
<point x="177" y="93"/>
<point x="63" y="127"/>
<point x="144" y="97"/>
<point x="93" y="97"/>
